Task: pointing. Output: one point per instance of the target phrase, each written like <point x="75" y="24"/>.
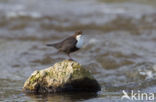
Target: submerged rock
<point x="63" y="76"/>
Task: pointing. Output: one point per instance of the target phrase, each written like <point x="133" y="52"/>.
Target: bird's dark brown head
<point x="77" y="33"/>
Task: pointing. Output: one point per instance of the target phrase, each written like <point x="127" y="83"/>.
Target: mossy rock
<point x="62" y="77"/>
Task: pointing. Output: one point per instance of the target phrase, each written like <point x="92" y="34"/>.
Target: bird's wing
<point x="68" y="44"/>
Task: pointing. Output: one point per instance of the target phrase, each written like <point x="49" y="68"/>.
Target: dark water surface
<point x="120" y="48"/>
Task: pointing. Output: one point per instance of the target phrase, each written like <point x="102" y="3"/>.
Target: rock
<point x="63" y="76"/>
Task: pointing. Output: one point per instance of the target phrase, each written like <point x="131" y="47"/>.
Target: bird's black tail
<point x="50" y="44"/>
<point x="55" y="45"/>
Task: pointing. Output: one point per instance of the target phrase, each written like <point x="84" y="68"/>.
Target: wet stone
<point x="63" y="76"/>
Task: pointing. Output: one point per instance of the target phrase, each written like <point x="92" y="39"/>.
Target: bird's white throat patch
<point x="80" y="41"/>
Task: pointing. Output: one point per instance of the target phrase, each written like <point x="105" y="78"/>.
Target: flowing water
<point x="120" y="48"/>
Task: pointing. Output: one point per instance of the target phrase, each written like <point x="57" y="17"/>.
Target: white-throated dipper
<point x="70" y="44"/>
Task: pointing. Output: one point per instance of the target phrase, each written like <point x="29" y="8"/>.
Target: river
<point x="119" y="50"/>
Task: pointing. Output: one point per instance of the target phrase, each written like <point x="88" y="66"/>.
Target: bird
<point x="70" y="44"/>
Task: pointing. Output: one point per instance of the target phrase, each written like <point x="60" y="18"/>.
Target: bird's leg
<point x="69" y="57"/>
